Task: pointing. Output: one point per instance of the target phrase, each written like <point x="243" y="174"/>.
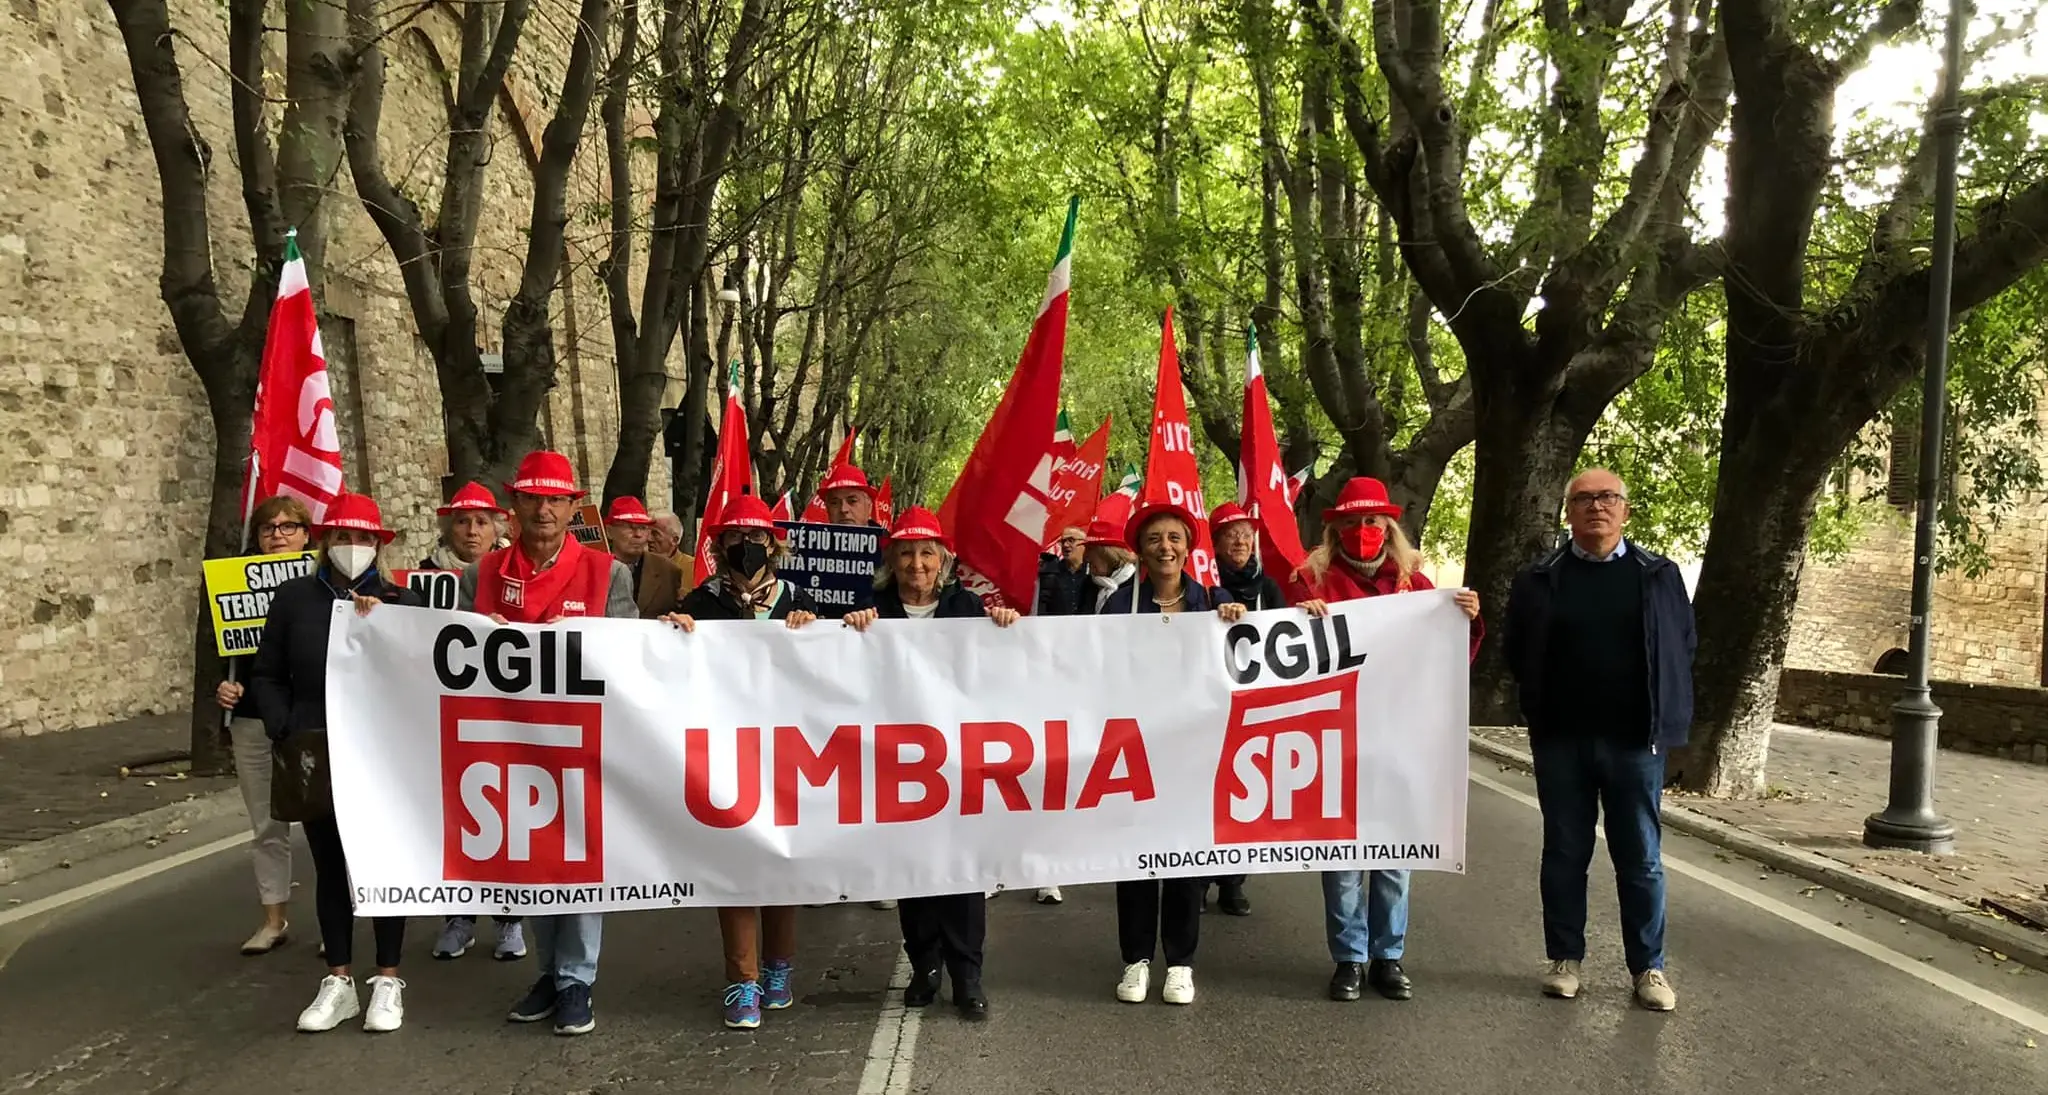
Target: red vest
<point x="577" y="585"/>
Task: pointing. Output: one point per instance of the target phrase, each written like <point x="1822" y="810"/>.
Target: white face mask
<point x="352" y="559"/>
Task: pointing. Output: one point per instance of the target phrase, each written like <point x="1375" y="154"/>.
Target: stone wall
<point x="2000" y="720"/>
<point x="1986" y="630"/>
<point x="105" y="446"/>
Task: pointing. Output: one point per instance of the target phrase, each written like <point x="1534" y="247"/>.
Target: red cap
<point x="358" y="512"/>
<point x="917" y="523"/>
<point x="627" y="510"/>
<point x="1229" y="513"/>
<point x="1362" y="496"/>
<point x="473" y="496"/>
<point x="1107" y="526"/>
<point x="745" y="512"/>
<point x="1147" y="513"/>
<point x="545" y="472"/>
<point x="846" y="477"/>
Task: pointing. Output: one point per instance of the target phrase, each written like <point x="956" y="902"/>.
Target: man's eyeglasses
<point x="1069" y="543"/>
<point x="1605" y="499"/>
<point x="281" y="528"/>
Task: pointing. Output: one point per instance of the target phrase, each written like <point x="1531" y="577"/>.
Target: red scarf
<point x="1342" y="582"/>
<point x="577" y="584"/>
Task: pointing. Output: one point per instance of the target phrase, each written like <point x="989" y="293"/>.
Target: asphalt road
<point x="1781" y="987"/>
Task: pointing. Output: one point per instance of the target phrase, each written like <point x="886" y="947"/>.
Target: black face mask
<point x="745" y="558"/>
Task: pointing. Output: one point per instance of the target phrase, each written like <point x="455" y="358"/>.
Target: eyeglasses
<point x="1605" y="499"/>
<point x="281" y="528"/>
<point x="735" y="536"/>
<point x="1069" y="544"/>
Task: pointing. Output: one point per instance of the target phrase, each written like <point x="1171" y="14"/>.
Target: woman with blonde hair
<point x="288" y="687"/>
<point x="1365" y="553"/>
<point x="941" y="934"/>
<point x="278" y="525"/>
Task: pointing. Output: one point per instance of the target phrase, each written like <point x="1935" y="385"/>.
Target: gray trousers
<point x="271" y="851"/>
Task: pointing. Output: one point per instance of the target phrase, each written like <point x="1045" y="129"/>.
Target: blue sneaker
<point x="538" y="1003"/>
<point x="775" y="994"/>
<point x="743" y="1005"/>
<point x="572" y="1010"/>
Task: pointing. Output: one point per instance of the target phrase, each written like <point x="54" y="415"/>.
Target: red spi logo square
<point x="522" y="792"/>
<point x="1289" y="767"/>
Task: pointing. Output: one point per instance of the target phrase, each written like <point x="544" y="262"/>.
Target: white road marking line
<point x="894" y="1047"/>
<point x="115" y="881"/>
<point x="1947" y="982"/>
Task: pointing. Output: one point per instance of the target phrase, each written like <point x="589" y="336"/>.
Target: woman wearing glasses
<point x="746" y="588"/>
<point x="278" y="525"/>
<point x="1365" y="553"/>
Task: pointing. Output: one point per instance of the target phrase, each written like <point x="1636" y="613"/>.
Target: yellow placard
<point x="239" y="592"/>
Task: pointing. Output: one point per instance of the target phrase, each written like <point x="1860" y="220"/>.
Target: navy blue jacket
<point x="1667" y="632"/>
<point x="955" y="603"/>
<point x="1199" y="598"/>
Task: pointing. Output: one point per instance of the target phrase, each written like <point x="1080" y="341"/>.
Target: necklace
<point x="1170" y="604"/>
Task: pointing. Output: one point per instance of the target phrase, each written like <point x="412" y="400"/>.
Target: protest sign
<point x="587" y="526"/>
<point x="602" y="764"/>
<point x="835" y="564"/>
<point x="437" y="588"/>
<point x="238" y="591"/>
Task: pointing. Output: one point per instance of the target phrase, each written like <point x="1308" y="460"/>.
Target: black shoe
<point x="1386" y="978"/>
<point x="1344" y="984"/>
<point x="1231" y="899"/>
<point x="972" y="1002"/>
<point x="923" y="989"/>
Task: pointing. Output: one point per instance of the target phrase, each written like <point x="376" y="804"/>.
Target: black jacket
<point x="1199" y="598"/>
<point x="708" y="602"/>
<point x="955" y="603"/>
<point x="288" y="682"/>
<point x="1255" y="591"/>
<point x="1061" y="591"/>
<point x="1667" y="632"/>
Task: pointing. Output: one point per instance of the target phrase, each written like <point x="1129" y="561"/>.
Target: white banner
<point x="618" y="764"/>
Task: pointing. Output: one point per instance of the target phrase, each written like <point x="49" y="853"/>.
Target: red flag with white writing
<point x="1262" y="480"/>
<point x="997" y="509"/>
<point x="731" y="476"/>
<point x="1077" y="486"/>
<point x="885" y="504"/>
<point x="781" y="509"/>
<point x="814" y="510"/>
<point x="1171" y="473"/>
<point x="293" y="446"/>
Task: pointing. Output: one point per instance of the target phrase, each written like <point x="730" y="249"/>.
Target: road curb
<point x="1945" y="915"/>
<point x="120" y="834"/>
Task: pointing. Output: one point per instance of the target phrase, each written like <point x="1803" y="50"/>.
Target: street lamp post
<point x="1909" y="819"/>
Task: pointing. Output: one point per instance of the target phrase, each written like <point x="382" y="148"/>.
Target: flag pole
<point x="250" y="473"/>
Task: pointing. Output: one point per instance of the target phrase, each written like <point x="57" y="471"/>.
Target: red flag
<point x="781" y="510"/>
<point x="1263" y="487"/>
<point x="731" y="476"/>
<point x="1077" y="486"/>
<point x="814" y="510"/>
<point x="293" y="448"/>
<point x="998" y="507"/>
<point x="1063" y="447"/>
<point x="1295" y="484"/>
<point x="1171" y="474"/>
<point x="885" y="504"/>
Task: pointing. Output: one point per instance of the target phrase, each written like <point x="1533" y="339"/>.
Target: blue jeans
<point x="1366" y="918"/>
<point x="1577" y="780"/>
<point x="567" y="947"/>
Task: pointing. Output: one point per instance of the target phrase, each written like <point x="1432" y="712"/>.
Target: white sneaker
<point x="1562" y="979"/>
<point x="1049" y="895"/>
<point x="1180" y="985"/>
<point x="387" y="1005"/>
<point x="1653" y="991"/>
<point x="1136" y="983"/>
<point x="335" y="1003"/>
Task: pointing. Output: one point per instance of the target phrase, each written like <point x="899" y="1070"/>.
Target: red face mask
<point x="1363" y="543"/>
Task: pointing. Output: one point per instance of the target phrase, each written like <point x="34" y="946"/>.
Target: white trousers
<point x="271" y="852"/>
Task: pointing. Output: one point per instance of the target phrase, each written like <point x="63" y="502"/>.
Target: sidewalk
<point x="62" y="795"/>
<point x="1820" y="785"/>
